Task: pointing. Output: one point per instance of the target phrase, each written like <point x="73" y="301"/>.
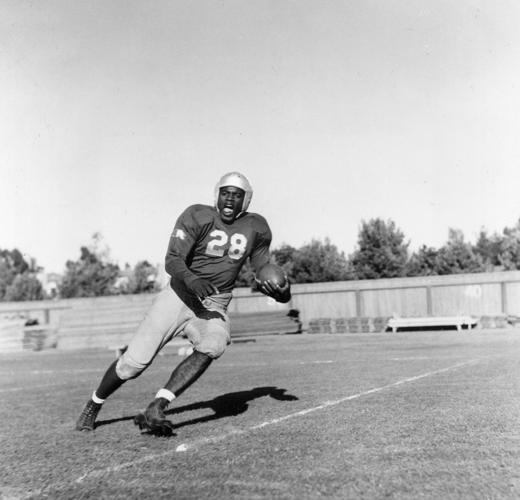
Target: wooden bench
<point x="431" y="322"/>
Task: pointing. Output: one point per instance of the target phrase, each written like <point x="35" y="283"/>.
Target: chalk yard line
<point x="285" y="363"/>
<point x="235" y="432"/>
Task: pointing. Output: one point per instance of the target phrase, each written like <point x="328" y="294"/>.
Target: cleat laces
<point x="88" y="416"/>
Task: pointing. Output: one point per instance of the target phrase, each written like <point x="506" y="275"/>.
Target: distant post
<point x="503" y="295"/>
<point x="359" y="309"/>
<point x="429" y="307"/>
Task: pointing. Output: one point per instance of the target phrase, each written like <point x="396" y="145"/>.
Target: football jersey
<point x="203" y="246"/>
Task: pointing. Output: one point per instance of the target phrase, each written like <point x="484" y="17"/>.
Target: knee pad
<point x="127" y="368"/>
<point x="208" y="337"/>
<point x="213" y="347"/>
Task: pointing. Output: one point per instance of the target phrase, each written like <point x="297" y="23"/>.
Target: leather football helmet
<point x="238" y="180"/>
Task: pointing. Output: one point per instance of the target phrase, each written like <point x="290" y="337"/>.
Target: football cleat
<point x="87" y="419"/>
<point x="153" y="419"/>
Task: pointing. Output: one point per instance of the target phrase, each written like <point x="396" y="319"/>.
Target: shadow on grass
<point x="227" y="405"/>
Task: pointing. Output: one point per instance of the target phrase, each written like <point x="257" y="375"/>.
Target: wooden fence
<point x="479" y="294"/>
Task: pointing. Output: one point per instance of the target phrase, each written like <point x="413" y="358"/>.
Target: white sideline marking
<point x="221" y="437"/>
<point x="322" y="362"/>
<point x="411" y="358"/>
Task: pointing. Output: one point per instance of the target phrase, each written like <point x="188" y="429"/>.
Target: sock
<point x="109" y="383"/>
<point x="165" y="394"/>
<point x="97" y="400"/>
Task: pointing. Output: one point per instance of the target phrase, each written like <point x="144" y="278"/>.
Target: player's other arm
<point x="181" y="245"/>
<point x="259" y="258"/>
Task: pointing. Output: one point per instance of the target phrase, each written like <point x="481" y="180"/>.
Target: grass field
<point x="407" y="415"/>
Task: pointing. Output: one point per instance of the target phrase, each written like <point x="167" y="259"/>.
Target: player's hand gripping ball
<point x="273" y="273"/>
<point x="272" y="281"/>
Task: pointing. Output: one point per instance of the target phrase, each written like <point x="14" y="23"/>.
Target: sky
<point x="116" y="115"/>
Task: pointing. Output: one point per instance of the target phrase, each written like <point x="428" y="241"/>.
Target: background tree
<point x="93" y="275"/>
<point x="317" y="261"/>
<point x="382" y="251"/>
<point x="423" y="262"/>
<point x="457" y="256"/>
<point x="12" y="263"/>
<point x="143" y="278"/>
<point x="509" y="254"/>
<point x="6" y="275"/>
<point x="489" y="248"/>
<point x="25" y="286"/>
<point x="18" y="279"/>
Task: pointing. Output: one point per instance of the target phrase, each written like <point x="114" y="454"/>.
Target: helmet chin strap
<point x="237" y="215"/>
<point x="242" y="211"/>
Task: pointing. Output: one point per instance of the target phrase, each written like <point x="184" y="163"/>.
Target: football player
<point x="207" y="248"/>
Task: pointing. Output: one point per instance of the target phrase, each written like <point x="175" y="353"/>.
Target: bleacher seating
<point x="112" y="325"/>
<point x="265" y="323"/>
<point x="100" y="325"/>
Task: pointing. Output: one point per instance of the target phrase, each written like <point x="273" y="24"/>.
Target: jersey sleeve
<point x="260" y="254"/>
<point x="181" y="244"/>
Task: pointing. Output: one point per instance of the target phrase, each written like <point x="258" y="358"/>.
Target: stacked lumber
<point x="348" y="325"/>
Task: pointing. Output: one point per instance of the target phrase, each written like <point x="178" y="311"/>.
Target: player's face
<point x="230" y="201"/>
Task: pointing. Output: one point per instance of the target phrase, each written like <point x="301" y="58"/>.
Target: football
<point x="273" y="273"/>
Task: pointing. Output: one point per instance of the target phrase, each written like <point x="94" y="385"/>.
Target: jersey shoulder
<point x="258" y="223"/>
<point x="255" y="219"/>
<point x="200" y="209"/>
<point x="199" y="213"/>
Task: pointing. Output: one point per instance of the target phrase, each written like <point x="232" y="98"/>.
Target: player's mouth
<point x="228" y="211"/>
